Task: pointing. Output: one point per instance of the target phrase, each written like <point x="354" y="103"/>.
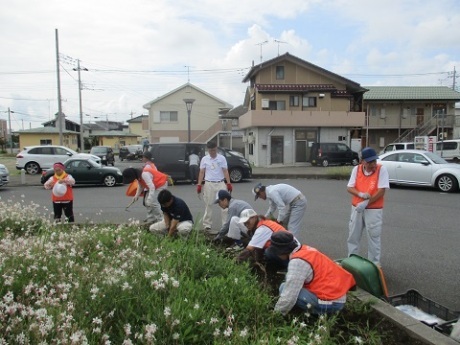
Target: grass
<point x="118" y="284"/>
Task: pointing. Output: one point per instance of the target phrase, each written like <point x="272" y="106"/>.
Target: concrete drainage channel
<point x="414" y="328"/>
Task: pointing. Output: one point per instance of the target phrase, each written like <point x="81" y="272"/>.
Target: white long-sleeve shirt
<point x="279" y="197"/>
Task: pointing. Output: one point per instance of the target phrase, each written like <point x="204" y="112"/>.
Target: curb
<point x="414" y="328"/>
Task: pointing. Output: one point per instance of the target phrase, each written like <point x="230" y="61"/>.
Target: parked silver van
<point x="449" y="149"/>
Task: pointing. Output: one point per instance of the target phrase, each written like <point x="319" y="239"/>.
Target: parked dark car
<point x="332" y="153"/>
<point x="130" y="152"/>
<point x="105" y="153"/>
<point x="86" y="171"/>
<point x="172" y="159"/>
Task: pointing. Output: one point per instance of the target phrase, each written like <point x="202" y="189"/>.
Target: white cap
<point x="246" y="214"/>
<point x="59" y="189"/>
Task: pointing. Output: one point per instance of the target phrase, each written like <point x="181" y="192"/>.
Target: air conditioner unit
<point x="245" y="139"/>
<point x="321" y="95"/>
<point x="265" y="103"/>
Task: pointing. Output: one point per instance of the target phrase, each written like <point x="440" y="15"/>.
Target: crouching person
<point x="260" y="229"/>
<point x="312" y="280"/>
<point x="177" y="218"/>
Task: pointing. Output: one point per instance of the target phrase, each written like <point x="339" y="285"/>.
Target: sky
<point x="132" y="52"/>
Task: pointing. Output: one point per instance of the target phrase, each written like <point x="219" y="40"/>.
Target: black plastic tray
<point x="414" y="298"/>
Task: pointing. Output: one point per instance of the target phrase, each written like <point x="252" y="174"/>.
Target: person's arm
<point x="69" y="180"/>
<point x="224" y="229"/>
<point x="173" y="227"/>
<point x="167" y="219"/>
<point x="226" y="176"/>
<point x="298" y="271"/>
<point x="49" y="183"/>
<point x="278" y="202"/>
<point x="148" y="179"/>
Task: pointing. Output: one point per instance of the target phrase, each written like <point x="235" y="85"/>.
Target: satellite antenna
<point x="260" y="45"/>
<point x="278" y="41"/>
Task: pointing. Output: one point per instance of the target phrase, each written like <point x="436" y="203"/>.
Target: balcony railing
<point x="292" y="118"/>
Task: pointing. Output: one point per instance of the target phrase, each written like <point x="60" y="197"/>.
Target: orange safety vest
<point x="330" y="281"/>
<point x="159" y="179"/>
<point x="273" y="226"/>
<point x="367" y="184"/>
<point x="68" y="196"/>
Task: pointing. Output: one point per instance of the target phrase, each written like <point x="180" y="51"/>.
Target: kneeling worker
<point x="312" y="278"/>
<point x="177" y="217"/>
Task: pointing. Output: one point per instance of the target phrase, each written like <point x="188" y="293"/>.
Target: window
<point x="277" y="105"/>
<point x="45" y="141"/>
<point x="60" y="151"/>
<point x="251" y="149"/>
<point x="294" y="101"/>
<point x="309" y="101"/>
<point x="279" y="72"/>
<point x="42" y="151"/>
<point x="168" y="116"/>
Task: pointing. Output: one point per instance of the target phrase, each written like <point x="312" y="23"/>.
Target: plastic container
<point x="414" y="298"/>
<point x="367" y="275"/>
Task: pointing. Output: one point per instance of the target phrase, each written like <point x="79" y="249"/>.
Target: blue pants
<point x="306" y="297"/>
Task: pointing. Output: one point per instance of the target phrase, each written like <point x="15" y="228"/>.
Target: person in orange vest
<point x="152" y="181"/>
<point x="368" y="183"/>
<point x="313" y="280"/>
<point x="259" y="229"/>
<point x="62" y="194"/>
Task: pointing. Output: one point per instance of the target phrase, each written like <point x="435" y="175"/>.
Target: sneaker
<point x="234" y="248"/>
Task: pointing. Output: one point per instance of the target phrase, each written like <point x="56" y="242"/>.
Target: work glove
<point x="198" y="188"/>
<point x="364" y="196"/>
<point x="361" y="206"/>
<point x="218" y="239"/>
<point x="229" y="187"/>
<point x="135" y="198"/>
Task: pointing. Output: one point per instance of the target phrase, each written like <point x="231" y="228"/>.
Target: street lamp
<point x="189" y="104"/>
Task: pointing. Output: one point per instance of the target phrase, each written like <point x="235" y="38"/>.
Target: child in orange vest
<point x="62" y="195"/>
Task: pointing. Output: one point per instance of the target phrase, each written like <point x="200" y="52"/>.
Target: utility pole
<point x="58" y="88"/>
<point x="82" y="146"/>
<point x="11" y="133"/>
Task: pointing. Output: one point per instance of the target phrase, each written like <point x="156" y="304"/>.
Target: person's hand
<point x="229" y="187"/>
<point x="61" y="181"/>
<point x="364" y="196"/>
<point x="198" y="188"/>
<point x="218" y="239"/>
<point x="361" y="206"/>
<point x="135" y="198"/>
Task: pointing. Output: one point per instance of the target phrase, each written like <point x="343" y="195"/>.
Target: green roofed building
<point x="400" y="113"/>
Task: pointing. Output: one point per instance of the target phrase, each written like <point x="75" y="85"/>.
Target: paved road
<point x="420" y="240"/>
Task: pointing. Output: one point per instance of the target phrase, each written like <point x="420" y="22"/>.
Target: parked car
<point x="421" y="168"/>
<point x="130" y="152"/>
<point x="326" y="154"/>
<point x="449" y="149"/>
<point x="4" y="175"/>
<point x="35" y="158"/>
<point x="172" y="159"/>
<point x="87" y="171"/>
<point x="398" y="146"/>
<point x="105" y="153"/>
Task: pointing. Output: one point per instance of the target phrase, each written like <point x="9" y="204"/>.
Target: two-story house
<point x="171" y="121"/>
<point x="400" y="113"/>
<point x="291" y="104"/>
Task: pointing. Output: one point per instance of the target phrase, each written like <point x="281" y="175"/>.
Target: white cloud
<point x="137" y="51"/>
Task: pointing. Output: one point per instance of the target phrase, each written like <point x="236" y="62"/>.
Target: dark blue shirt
<point x="178" y="210"/>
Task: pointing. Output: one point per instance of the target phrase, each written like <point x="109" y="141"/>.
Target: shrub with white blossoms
<point x="118" y="284"/>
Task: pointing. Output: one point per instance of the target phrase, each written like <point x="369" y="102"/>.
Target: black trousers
<point x="58" y="207"/>
<point x="194" y="171"/>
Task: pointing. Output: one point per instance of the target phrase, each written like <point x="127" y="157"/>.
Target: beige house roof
<point x="45" y="130"/>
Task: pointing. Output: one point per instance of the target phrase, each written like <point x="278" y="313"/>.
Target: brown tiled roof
<point x="294" y="87"/>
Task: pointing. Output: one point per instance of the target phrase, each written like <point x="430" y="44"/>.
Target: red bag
<point x="132" y="188"/>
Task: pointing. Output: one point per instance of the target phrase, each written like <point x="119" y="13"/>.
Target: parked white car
<point x="421" y="168"/>
<point x="398" y="146"/>
<point x="4" y="175"/>
<point x="36" y="158"/>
